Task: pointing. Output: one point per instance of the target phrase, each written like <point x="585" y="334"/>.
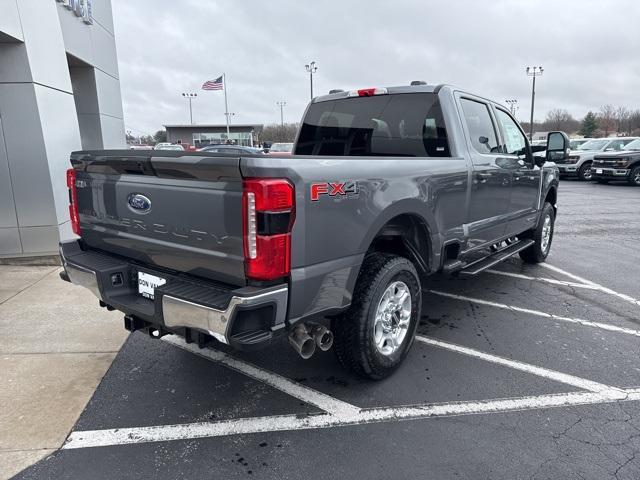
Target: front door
<point x="491" y="181"/>
<point x="526" y="176"/>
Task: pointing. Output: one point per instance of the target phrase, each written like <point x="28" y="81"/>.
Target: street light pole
<point x="190" y="96"/>
<point x="311" y="68"/>
<point x="512" y="106"/>
<point x="281" y="105"/>
<point x="533" y="72"/>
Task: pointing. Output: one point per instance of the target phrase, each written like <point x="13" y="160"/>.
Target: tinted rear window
<point x="402" y="125"/>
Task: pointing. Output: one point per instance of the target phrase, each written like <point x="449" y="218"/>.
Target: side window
<point x="616" y="145"/>
<point x="514" y="140"/>
<point x="480" y="126"/>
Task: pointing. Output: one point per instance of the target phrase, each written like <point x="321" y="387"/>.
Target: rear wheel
<point x="542" y="236"/>
<point x="584" y="173"/>
<point x="374" y="336"/>
<point x="634" y="176"/>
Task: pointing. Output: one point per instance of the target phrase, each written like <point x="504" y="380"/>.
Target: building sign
<point x="82" y="9"/>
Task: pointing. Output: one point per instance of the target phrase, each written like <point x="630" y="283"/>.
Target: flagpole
<point x="226" y="105"/>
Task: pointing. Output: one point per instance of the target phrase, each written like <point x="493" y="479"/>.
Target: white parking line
<point x="580" y="321"/>
<point x="602" y="288"/>
<point x="164" y="433"/>
<point x="523" y="367"/>
<point x="306" y="394"/>
<point x="552" y="281"/>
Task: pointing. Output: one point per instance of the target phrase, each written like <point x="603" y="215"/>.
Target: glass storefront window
<point x="238" y="138"/>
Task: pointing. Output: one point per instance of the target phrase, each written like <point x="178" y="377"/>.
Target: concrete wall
<point x="59" y="92"/>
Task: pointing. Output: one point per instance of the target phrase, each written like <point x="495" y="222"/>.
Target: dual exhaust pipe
<point x="305" y="338"/>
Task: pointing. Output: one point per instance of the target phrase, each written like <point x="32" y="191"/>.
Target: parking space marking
<point x="551" y="281"/>
<point x="602" y="288"/>
<point x="521" y="366"/>
<point x="580" y="321"/>
<point x="164" y="433"/>
<point x="294" y="389"/>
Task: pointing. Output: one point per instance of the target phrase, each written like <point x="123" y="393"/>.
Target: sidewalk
<point x="55" y="346"/>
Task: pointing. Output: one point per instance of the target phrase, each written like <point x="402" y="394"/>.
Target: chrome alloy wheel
<point x="546" y="234"/>
<point x="636" y="177"/>
<point x="393" y="316"/>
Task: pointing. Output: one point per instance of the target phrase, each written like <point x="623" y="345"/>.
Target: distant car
<point x="140" y="147"/>
<point x="281" y="149"/>
<point x="168" y="146"/>
<point x="580" y="160"/>
<point x="576" y="142"/>
<point x="623" y="165"/>
<point x="232" y="150"/>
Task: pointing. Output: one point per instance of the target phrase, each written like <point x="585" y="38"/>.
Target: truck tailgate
<point x="172" y="210"/>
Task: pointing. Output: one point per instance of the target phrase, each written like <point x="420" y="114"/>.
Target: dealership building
<point x="201" y="135"/>
<point x="59" y="92"/>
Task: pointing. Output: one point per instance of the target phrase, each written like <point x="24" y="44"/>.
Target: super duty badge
<point x="333" y="189"/>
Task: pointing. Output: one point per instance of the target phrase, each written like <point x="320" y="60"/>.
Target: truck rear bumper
<point x="241" y="317"/>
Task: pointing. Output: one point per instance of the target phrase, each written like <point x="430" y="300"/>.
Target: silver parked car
<point x="580" y="160"/>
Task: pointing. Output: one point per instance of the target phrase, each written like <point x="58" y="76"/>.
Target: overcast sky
<point x="590" y="51"/>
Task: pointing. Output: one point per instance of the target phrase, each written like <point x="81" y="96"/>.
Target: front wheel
<point x="542" y="236"/>
<point x="374" y="336"/>
<point x="585" y="173"/>
<point x="634" y="176"/>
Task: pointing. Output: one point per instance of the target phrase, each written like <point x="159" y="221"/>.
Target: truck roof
<point x="418" y="88"/>
<point x="422" y="88"/>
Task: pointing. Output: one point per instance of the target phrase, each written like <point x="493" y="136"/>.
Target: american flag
<point x="216" y="84"/>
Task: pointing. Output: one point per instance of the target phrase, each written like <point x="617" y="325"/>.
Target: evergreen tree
<point x="589" y="125"/>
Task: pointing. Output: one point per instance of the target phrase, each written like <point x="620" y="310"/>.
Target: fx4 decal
<point x="333" y="189"/>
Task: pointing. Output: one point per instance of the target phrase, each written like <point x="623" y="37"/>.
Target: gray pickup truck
<point x="328" y="246"/>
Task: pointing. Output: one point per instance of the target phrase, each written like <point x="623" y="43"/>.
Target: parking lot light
<point x="533" y="72"/>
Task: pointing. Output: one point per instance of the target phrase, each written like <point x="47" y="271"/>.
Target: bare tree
<point x="279" y="133"/>
<point x="622" y="120"/>
<point x="560" y="119"/>
<point x="607" y="119"/>
<point x="634" y="122"/>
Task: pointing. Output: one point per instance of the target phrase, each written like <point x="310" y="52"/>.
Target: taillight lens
<point x="268" y="216"/>
<point x="367" y="92"/>
<point x="73" y="202"/>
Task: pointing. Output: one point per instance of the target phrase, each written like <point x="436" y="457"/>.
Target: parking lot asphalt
<point x="526" y="372"/>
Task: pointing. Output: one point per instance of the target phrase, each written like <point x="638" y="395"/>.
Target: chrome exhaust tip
<point x="302" y="342"/>
<point x="322" y="336"/>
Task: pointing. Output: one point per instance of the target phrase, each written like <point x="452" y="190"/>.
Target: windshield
<point x="281" y="147"/>
<point x="635" y="145"/>
<point x="594" y="144"/>
<point x="401" y="125"/>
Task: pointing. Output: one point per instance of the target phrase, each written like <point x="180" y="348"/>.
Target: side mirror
<point x="558" y="146"/>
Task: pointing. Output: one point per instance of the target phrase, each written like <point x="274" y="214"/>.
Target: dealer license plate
<point x="598" y="170"/>
<point x="148" y="283"/>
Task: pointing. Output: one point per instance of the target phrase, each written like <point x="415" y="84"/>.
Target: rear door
<point x="491" y="178"/>
<point x="526" y="178"/>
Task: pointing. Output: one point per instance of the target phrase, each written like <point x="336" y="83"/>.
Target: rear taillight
<point x="73" y="201"/>
<point x="268" y="216"/>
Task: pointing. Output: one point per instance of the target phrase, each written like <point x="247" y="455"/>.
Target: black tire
<point x="354" y="343"/>
<point x="584" y="173"/>
<point x="536" y="253"/>
<point x="634" y="176"/>
<point x="602" y="181"/>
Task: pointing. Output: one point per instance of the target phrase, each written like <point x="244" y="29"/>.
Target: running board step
<point x="495" y="258"/>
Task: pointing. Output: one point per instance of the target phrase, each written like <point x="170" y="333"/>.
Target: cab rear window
<point x="400" y="125"/>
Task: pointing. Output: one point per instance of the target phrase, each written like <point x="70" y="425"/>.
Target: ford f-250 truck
<point x="330" y="245"/>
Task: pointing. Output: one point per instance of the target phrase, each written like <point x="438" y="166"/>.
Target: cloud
<point x="588" y="48"/>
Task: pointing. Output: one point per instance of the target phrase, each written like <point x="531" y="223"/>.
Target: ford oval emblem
<point x="139" y="203"/>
